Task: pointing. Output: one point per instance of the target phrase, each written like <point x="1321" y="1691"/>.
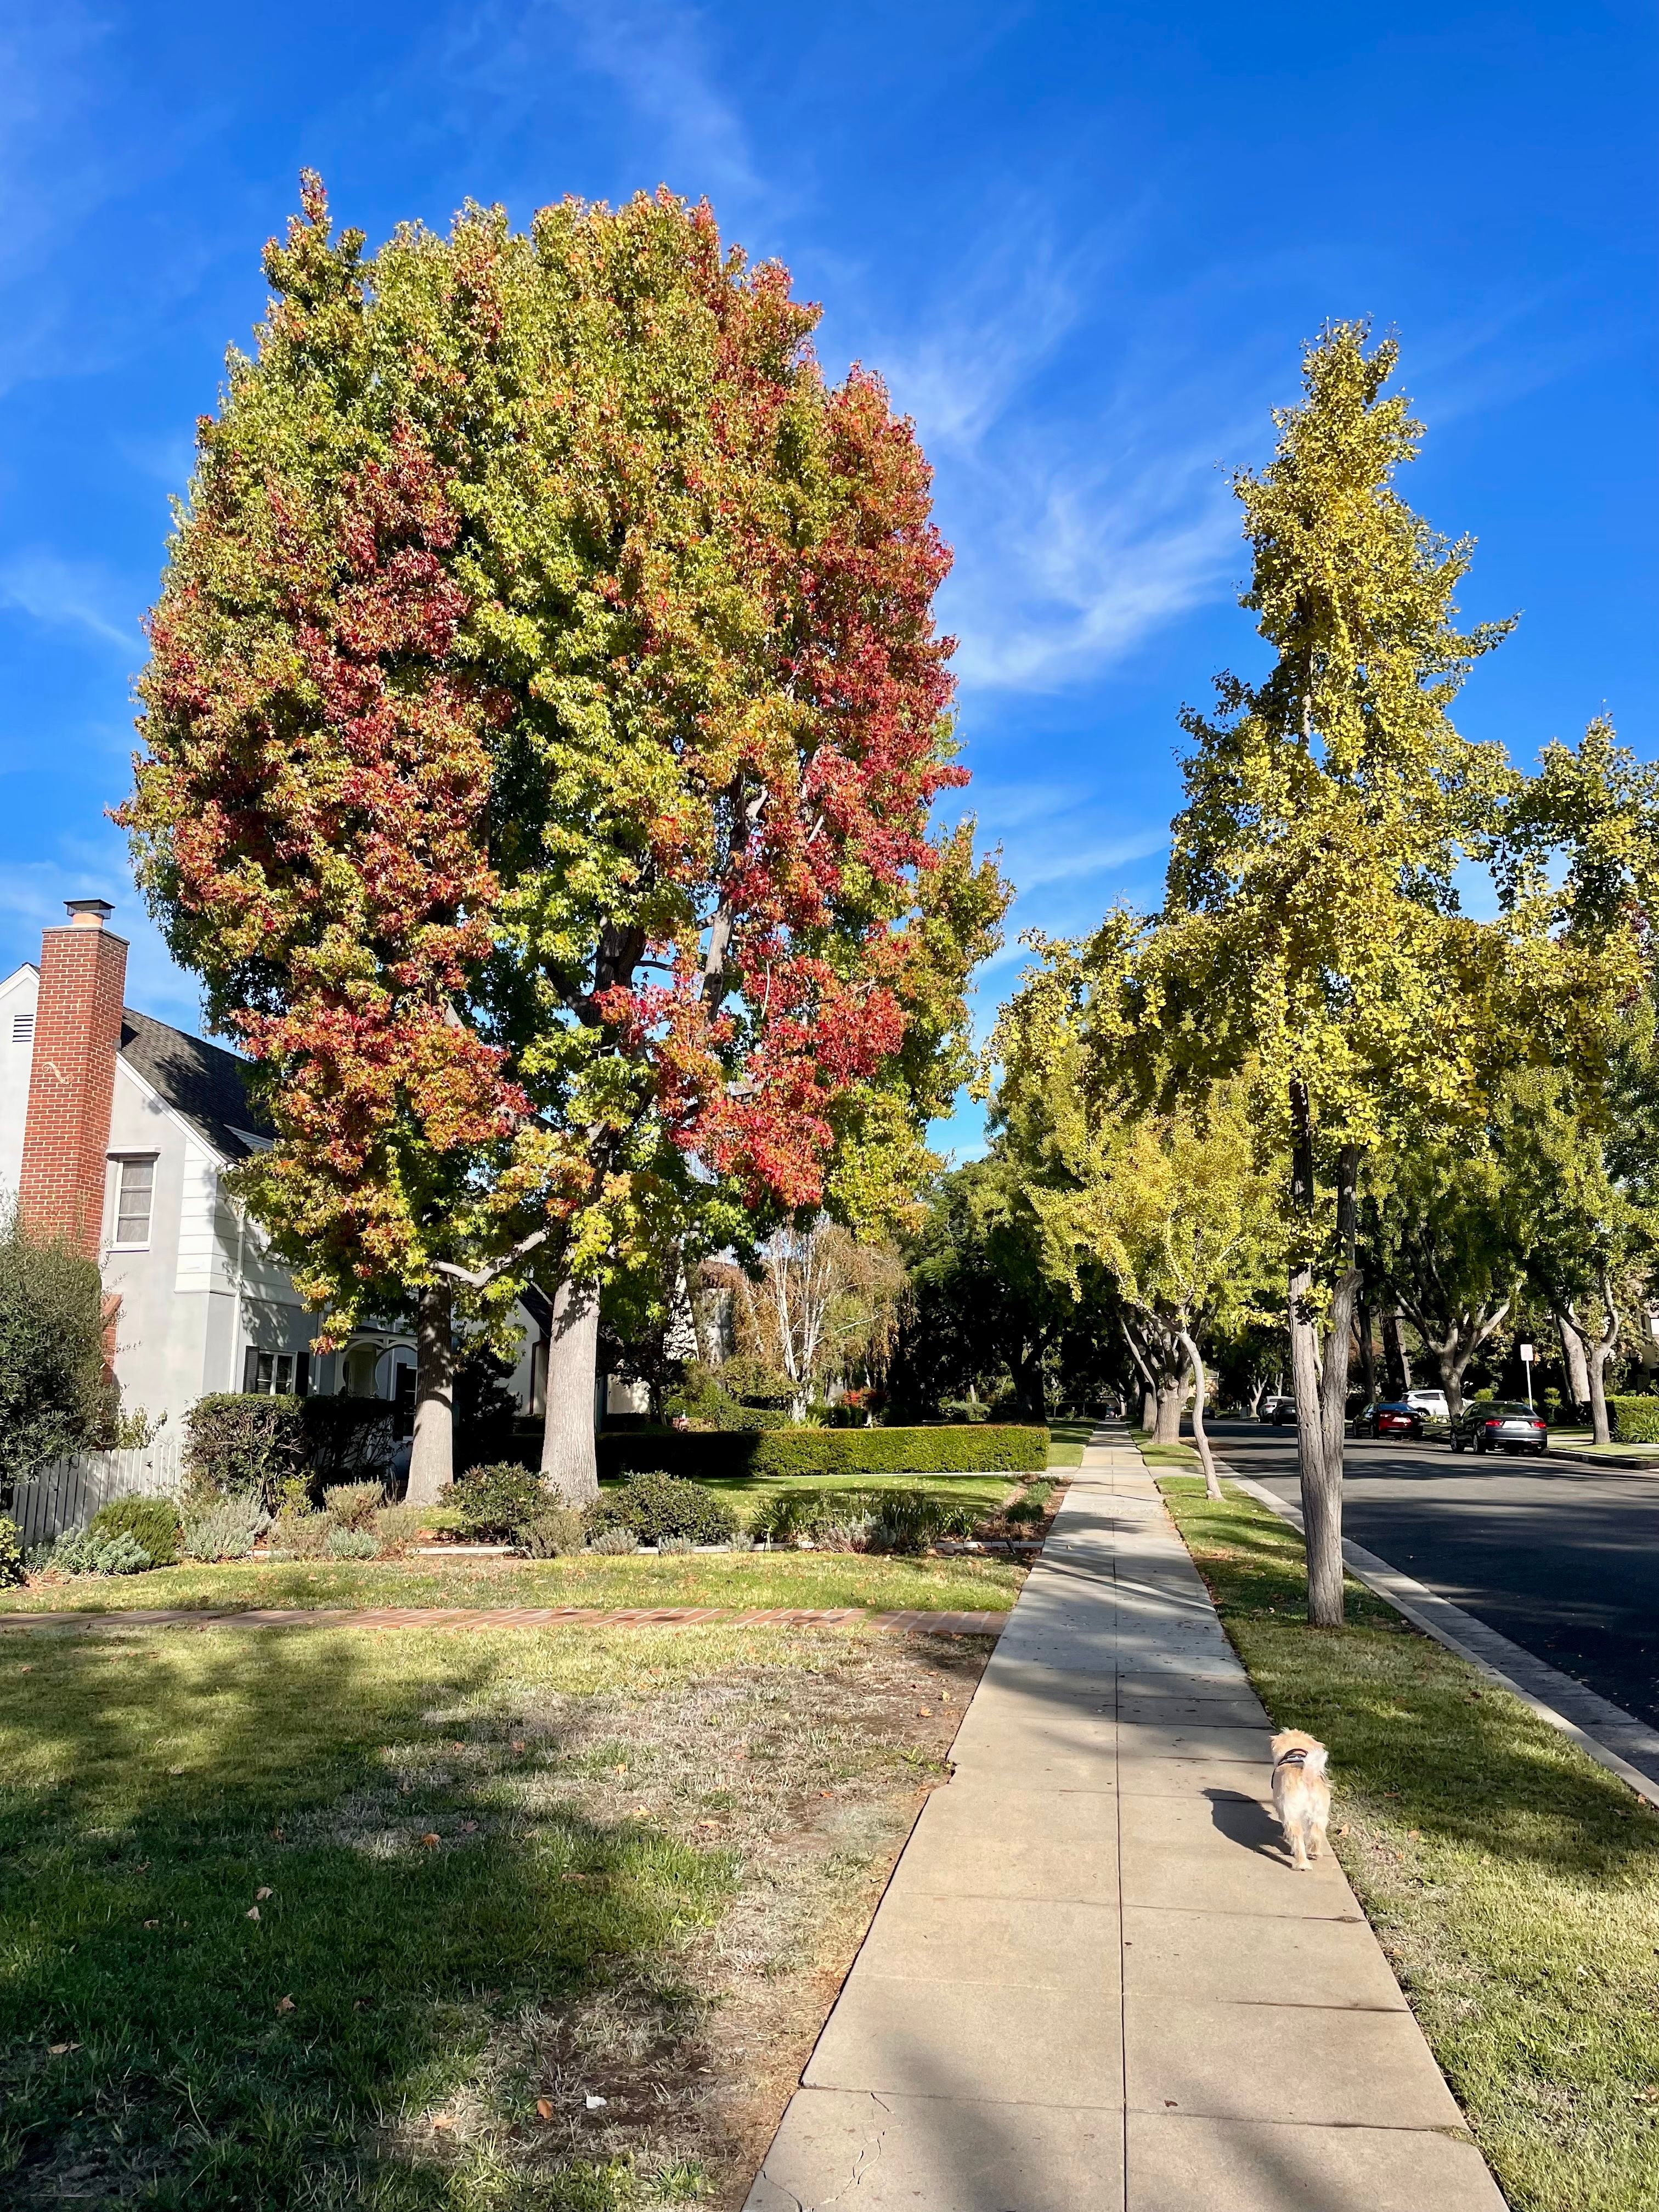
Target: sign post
<point x="1526" y="1362"/>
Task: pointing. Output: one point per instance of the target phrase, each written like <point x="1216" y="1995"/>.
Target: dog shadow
<point x="1245" y="1820"/>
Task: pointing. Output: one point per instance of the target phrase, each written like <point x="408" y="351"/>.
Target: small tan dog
<point x="1302" y="1794"/>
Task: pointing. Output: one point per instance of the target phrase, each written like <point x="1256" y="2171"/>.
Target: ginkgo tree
<point x="1312" y="927"/>
<point x="543" y="721"/>
<point x="1169" y="1201"/>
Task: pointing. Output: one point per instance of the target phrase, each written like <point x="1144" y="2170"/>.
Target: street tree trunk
<point x="1367" y="1353"/>
<point x="1321" y="1397"/>
<point x="1394" y="1355"/>
<point x="1166" y="1429"/>
<point x="1212" y="1484"/>
<point x="1572" y="1352"/>
<point x="569" y="1464"/>
<point x="1598" y="1349"/>
<point x="432" y="1462"/>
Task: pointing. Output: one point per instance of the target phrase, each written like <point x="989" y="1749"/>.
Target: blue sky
<point x="1084" y="244"/>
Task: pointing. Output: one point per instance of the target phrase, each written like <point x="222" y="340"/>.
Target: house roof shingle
<point x="203" y="1083"/>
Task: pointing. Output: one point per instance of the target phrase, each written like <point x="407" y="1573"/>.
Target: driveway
<point x="1562" y="1559"/>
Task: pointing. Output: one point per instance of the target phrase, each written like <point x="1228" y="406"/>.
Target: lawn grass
<point x="360" y="1920"/>
<point x="1513" y="1882"/>
<point x="727" y="1578"/>
<point x="1164" y="1454"/>
<point x="1066" y="1440"/>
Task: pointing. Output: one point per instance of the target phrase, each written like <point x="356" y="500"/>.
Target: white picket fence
<point x="66" y="1493"/>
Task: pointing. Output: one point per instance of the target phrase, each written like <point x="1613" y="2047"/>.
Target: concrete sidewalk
<point x="1095" y="1980"/>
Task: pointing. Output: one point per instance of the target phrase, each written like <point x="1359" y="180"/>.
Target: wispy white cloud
<point x="1076" y="468"/>
<point x="77" y="594"/>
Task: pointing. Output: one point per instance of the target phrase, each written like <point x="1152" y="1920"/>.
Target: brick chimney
<point x="77" y="1034"/>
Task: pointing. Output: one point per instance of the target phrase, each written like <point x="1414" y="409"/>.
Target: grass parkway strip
<point x="1513" y="1882"/>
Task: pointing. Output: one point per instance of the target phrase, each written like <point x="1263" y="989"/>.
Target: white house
<point x="115" y="1132"/>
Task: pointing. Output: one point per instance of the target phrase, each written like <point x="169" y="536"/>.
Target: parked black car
<point x="1277" y="1412"/>
<point x="1498" y="1425"/>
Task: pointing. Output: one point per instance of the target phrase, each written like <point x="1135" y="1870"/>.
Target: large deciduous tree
<point x="543" y="720"/>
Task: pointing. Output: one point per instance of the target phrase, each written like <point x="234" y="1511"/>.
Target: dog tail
<point x="1315" y="1763"/>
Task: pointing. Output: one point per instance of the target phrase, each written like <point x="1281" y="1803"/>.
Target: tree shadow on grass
<point x="299" y="2058"/>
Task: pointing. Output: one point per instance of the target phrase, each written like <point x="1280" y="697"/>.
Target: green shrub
<point x="152" y="1523"/>
<point x="881" y="1520"/>
<point x="615" y="1543"/>
<point x="711" y="1407"/>
<point x="79" y="1551"/>
<point x="988" y="1449"/>
<point x="837" y="1516"/>
<point x="355" y="1504"/>
<point x="351" y="1544"/>
<point x="553" y="1534"/>
<point x="397" y="1527"/>
<point x="494" y="1504"/>
<point x="300" y="1535"/>
<point x="226" y="1528"/>
<point x="656" y="1505"/>
<point x="55" y="1397"/>
<point x="1635" y="1420"/>
<point x="243" y="1442"/>
<point x="911" y="1519"/>
<point x="12" y="1569"/>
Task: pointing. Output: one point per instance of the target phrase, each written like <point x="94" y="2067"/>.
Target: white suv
<point x="1431" y="1404"/>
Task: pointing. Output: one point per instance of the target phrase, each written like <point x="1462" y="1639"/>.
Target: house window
<point x="277" y="1374"/>
<point x="135" y="1191"/>
<point x="22" y="1029"/>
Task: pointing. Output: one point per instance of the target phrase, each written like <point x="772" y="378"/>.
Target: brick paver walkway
<point x="527" y="1616"/>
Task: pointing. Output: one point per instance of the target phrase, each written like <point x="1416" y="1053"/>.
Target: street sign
<point x="1526" y="1353"/>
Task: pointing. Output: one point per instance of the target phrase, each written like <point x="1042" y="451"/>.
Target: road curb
<point x="1519" y="1673"/>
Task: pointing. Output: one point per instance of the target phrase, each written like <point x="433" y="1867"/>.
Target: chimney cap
<point x="89" y="913"/>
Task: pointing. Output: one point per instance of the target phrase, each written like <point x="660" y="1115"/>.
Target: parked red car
<point x="1393" y="1417"/>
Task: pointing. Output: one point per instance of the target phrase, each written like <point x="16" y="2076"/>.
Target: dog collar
<point x="1296" y="1757"/>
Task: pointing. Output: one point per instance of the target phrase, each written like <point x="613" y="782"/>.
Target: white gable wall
<point x="18" y="993"/>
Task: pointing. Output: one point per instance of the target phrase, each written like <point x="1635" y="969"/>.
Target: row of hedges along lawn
<point x="983" y="1449"/>
<point x="1635" y="1420"/>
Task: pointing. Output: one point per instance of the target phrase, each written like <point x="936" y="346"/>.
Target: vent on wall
<point x="22" y="1029"/>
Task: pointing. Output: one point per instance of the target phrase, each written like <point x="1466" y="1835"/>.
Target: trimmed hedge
<point x="985" y="1449"/>
<point x="1635" y="1420"/>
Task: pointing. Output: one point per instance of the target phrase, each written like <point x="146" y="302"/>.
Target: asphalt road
<point x="1562" y="1559"/>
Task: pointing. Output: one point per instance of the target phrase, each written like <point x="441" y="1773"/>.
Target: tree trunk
<point x="432" y="1462"/>
<point x="1394" y="1355"/>
<point x="1319" y="1465"/>
<point x="1600" y="1350"/>
<point x="1367" y="1353"/>
<point x="1212" y="1485"/>
<point x="569" y="1466"/>
<point x="1166" y="1429"/>
<point x="1148" y="1409"/>
<point x="1572" y="1353"/>
<point x="1601" y="1427"/>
